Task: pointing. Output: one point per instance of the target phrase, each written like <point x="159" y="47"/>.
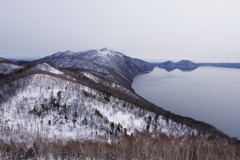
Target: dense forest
<point x="144" y="145"/>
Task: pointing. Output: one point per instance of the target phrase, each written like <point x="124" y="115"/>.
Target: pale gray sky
<point x="154" y="30"/>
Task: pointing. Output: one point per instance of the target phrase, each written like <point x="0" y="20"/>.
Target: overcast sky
<point x="154" y="30"/>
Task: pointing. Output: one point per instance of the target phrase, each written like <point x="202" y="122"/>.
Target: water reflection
<point x="207" y="94"/>
<point x="170" y="69"/>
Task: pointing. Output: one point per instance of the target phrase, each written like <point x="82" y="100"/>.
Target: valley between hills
<point x="80" y="105"/>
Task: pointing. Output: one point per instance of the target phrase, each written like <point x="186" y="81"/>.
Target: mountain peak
<point x="62" y="54"/>
<point x="98" y="60"/>
<point x="105" y="49"/>
<point x="185" y="61"/>
<point x="183" y="65"/>
<point x="68" y="52"/>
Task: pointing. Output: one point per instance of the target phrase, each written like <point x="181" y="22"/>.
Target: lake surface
<point x="208" y="94"/>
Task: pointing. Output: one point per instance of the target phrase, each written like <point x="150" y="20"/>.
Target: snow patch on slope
<point x="91" y="76"/>
<point x="46" y="67"/>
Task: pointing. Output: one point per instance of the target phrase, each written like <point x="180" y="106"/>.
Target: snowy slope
<point x="105" y="61"/>
<point x="73" y="62"/>
<point x="94" y="59"/>
<point x="108" y="81"/>
<point x="7" y="67"/>
<point x="115" y="60"/>
<point x="41" y="105"/>
<point x="47" y="67"/>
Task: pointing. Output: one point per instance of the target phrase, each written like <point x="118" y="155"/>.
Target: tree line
<point x="140" y="145"/>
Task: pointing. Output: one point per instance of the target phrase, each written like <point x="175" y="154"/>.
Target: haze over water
<point x="208" y="94"/>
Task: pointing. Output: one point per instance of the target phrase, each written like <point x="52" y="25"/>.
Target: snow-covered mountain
<point x="7" y="67"/>
<point x="104" y="61"/>
<point x="84" y="95"/>
<point x="55" y="107"/>
<point x="46" y="67"/>
<point x="104" y="57"/>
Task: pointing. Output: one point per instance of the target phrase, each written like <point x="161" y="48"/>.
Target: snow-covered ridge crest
<point x="106" y="52"/>
<point x="105" y="57"/>
<point x="46" y="67"/>
<point x="71" y="54"/>
<point x="106" y="49"/>
<point x="67" y="54"/>
<point x="61" y="54"/>
<point x="8" y="67"/>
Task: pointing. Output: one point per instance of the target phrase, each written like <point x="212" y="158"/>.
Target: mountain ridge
<point x="37" y="80"/>
<point x="105" y="61"/>
<point x="183" y="65"/>
<point x="187" y="65"/>
<point x="73" y="112"/>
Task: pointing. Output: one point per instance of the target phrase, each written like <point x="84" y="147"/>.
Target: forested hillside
<point x="81" y="105"/>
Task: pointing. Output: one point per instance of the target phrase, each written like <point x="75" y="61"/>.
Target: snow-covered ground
<point x="50" y="107"/>
<point x="47" y="67"/>
<point x="6" y="67"/>
<point x="112" y="84"/>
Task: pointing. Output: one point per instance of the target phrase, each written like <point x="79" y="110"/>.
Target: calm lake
<point x="208" y="94"/>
